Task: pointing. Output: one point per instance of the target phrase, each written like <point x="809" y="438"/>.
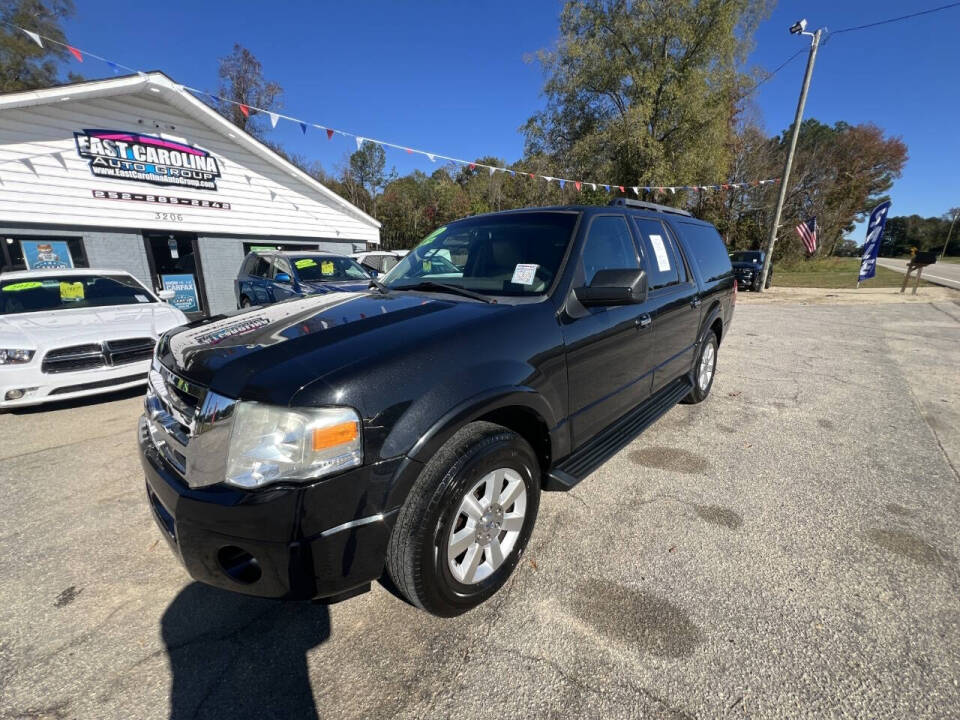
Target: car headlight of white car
<point x="15" y="356"/>
<point x="270" y="444"/>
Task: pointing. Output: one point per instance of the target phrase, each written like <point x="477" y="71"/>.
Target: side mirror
<point x="166" y="295"/>
<point x="283" y="277"/>
<point x="614" y="287"/>
<point x="373" y="273"/>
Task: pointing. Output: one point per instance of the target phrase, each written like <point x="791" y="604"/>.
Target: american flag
<point x="808" y="234"/>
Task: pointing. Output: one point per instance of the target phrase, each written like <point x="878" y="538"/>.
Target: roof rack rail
<point x="641" y="205"/>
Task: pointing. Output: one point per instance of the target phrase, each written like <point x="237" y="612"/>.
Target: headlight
<point x="12" y="356"/>
<point x="269" y="444"/>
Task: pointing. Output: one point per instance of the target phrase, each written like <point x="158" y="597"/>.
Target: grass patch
<point x="833" y="273"/>
<point x="948" y="259"/>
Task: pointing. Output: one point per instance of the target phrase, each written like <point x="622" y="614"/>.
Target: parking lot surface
<point x="788" y="548"/>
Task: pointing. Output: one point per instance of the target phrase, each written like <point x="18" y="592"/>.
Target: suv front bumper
<point x="292" y="542"/>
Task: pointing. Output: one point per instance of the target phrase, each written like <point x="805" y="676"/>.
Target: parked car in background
<point x="69" y="333"/>
<point x="271" y="276"/>
<point x="377" y="261"/>
<point x="411" y="427"/>
<point x="748" y="268"/>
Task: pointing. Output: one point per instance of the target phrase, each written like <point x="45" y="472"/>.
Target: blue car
<point x="269" y="277"/>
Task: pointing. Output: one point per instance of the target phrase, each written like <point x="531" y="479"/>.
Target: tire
<point x="478" y="458"/>
<point x="245" y="302"/>
<point x="700" y="389"/>
<point x="755" y="285"/>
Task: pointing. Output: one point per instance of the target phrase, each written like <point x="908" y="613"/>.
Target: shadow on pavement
<point x="236" y="657"/>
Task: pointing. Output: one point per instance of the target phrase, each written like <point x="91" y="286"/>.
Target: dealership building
<point x="135" y="173"/>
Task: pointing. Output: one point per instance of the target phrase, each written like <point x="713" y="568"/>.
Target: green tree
<point x="242" y="81"/>
<point x="24" y="65"/>
<point x="366" y="175"/>
<point x="645" y="92"/>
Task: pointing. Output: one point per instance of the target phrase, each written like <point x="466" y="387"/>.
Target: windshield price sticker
<point x="142" y="298"/>
<point x="326" y="267"/>
<point x="427" y="266"/>
<point x="305" y="263"/>
<point x="71" y="291"/>
<point x="663" y="262"/>
<point x="524" y="274"/>
<point x="22" y="286"/>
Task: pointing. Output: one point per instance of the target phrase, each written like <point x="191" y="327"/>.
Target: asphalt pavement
<point x="941" y="273"/>
<point x="789" y="548"/>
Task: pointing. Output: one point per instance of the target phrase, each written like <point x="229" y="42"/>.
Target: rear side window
<point x="261" y="268"/>
<point x="708" y="250"/>
<point x="663" y="259"/>
<point x="609" y="247"/>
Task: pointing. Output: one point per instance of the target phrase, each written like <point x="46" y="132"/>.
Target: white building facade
<point x="135" y="173"/>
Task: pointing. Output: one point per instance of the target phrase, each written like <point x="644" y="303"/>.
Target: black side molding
<point x="577" y="466"/>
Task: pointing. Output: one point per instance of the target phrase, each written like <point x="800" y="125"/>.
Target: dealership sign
<point x="147" y="158"/>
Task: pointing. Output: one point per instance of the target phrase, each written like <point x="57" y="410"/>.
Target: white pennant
<point x="273" y="119"/>
<point x="433" y="158"/>
<point x="637" y="191"/>
<point x="492" y="170"/>
<point x="34" y="37"/>
<point x="593" y="186"/>
<point x="359" y="141"/>
<point x="673" y="191"/>
<point x="548" y="179"/>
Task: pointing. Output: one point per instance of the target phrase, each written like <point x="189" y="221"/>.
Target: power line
<point x="896" y="19"/>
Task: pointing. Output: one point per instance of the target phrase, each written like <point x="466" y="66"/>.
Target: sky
<point x="458" y="79"/>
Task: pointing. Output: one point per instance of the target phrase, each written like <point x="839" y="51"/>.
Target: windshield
<point x="25" y="295"/>
<point x="516" y="254"/>
<point x="328" y="269"/>
<point x="743" y="256"/>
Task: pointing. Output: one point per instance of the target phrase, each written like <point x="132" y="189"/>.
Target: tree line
<point x="646" y="94"/>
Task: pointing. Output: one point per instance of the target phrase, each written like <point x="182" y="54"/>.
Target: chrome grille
<point x="188" y="425"/>
<point x="97" y="355"/>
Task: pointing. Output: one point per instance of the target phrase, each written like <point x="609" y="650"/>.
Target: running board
<point x="615" y="437"/>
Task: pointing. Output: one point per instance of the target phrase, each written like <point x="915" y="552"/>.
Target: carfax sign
<point x="185" y="292"/>
<point x="46" y="254"/>
<point x="146" y="158"/>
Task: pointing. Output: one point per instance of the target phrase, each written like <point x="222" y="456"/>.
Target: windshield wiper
<point x="443" y="287"/>
<point x="374" y="283"/>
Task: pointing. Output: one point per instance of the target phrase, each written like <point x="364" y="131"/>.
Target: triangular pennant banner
<point x="492" y="170"/>
<point x="433" y="158"/>
<point x="532" y="176"/>
<point x="409" y="151"/>
<point x="636" y="191"/>
<point x="303" y="128"/>
<point x="329" y="134"/>
<point x="607" y="188"/>
<point x="359" y="141"/>
<point x="577" y="183"/>
<point x="473" y="166"/>
<point x="593" y="186"/>
<point x="113" y="66"/>
<point x="76" y="53"/>
<point x="273" y="119"/>
<point x="245" y="110"/>
<point x="33" y="36"/>
<point x="621" y="188"/>
<point x="562" y="183"/>
<point x="673" y="191"/>
<point x="548" y="179"/>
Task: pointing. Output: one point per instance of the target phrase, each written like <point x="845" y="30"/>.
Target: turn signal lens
<point x="328" y="437"/>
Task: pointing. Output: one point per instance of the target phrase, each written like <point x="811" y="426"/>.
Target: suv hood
<point x="270" y="352"/>
<point x="60" y="328"/>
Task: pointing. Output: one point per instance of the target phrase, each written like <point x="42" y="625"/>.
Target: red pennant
<point x="245" y="110"/>
<point x="473" y="166"/>
<point x="329" y="134"/>
<point x="76" y="53"/>
<point x="621" y="188"/>
<point x="532" y="176"/>
<point x="577" y="183"/>
<point x="409" y="151"/>
<point x="725" y="187"/>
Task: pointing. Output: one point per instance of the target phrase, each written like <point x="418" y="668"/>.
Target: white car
<point x="379" y="261"/>
<point x="69" y="333"/>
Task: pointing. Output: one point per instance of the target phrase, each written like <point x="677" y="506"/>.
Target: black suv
<point x="301" y="449"/>
<point x="748" y="268"/>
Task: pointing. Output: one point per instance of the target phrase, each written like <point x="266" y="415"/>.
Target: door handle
<point x="643" y="321"/>
<point x="696" y="302"/>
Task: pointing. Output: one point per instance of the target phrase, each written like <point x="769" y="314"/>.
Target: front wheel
<point x="467" y="519"/>
<point x="704" y="370"/>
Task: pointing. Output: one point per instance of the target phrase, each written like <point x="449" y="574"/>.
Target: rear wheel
<point x="465" y="524"/>
<point x="245" y="302"/>
<point x="704" y="370"/>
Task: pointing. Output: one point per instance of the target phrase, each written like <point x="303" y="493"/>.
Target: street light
<point x="798" y="28"/>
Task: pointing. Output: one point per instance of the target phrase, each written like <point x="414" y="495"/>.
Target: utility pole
<point x="950" y="234"/>
<point x="798" y="28"/>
